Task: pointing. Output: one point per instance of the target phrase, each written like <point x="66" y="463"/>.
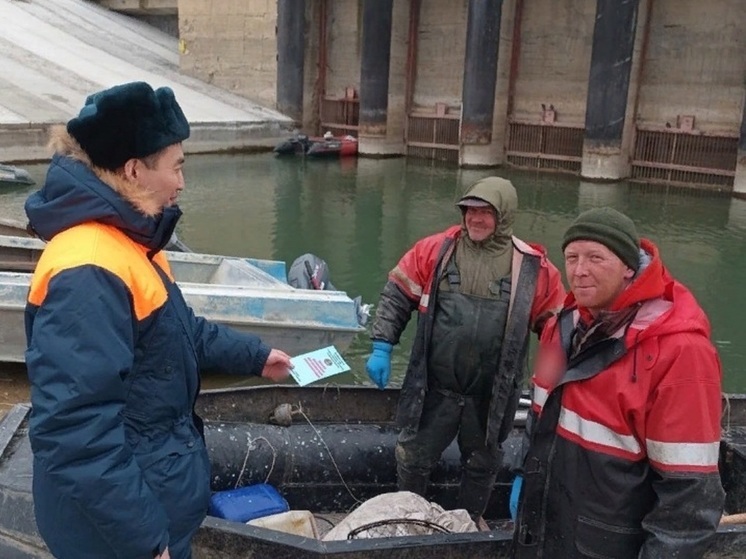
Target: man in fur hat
<point x="114" y="353"/>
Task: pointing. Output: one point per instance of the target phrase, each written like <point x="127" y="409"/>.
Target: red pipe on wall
<point x="411" y="64"/>
<point x="515" y="54"/>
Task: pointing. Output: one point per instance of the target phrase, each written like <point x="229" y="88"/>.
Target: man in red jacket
<point x="624" y="428"/>
<point x="479" y="292"/>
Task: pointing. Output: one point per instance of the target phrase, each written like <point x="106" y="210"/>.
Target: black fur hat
<point x="128" y="121"/>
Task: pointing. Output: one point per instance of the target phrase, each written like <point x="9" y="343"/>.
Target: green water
<point x="361" y="215"/>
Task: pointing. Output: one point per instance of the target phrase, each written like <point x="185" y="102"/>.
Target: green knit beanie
<point x="609" y="227"/>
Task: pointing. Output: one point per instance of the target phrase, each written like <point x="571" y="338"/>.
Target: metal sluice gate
<point x="673" y="155"/>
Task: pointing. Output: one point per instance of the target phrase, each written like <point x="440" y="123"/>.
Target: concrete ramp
<point x="54" y="53"/>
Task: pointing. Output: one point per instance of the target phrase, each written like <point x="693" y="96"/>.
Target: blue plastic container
<point x="246" y="503"/>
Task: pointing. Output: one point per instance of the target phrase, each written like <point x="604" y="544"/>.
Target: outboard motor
<point x="308" y="271"/>
<point x="297" y="145"/>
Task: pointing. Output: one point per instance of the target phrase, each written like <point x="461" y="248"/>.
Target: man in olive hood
<point x="479" y="291"/>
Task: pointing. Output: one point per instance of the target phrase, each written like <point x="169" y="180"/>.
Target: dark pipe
<point x="480" y="70"/>
<point x="412" y="36"/>
<point x="611" y="62"/>
<point x="290" y="57"/>
<point x="515" y="54"/>
<point x="320" y="87"/>
<point x="374" y="66"/>
<point x="742" y="138"/>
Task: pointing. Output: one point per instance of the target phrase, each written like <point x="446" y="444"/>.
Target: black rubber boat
<point x="336" y="451"/>
<point x="327" y="146"/>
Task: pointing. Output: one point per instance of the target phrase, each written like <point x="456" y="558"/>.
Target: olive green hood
<point x="501" y="195"/>
<point x="480" y="263"/>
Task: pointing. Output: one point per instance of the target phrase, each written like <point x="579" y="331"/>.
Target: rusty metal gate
<point x="340" y="115"/>
<point x="434" y="134"/>
<point x="685" y="157"/>
<point x="547" y="146"/>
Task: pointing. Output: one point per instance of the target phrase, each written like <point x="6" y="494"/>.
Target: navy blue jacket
<point x="114" y="355"/>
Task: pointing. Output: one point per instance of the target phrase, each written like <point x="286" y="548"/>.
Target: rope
<point x="358" y="501"/>
<point x="249" y="443"/>
<point x="397" y="527"/>
<point x="293" y="411"/>
<point x="325" y="519"/>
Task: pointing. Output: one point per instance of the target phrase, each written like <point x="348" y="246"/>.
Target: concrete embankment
<point x="54" y="53"/>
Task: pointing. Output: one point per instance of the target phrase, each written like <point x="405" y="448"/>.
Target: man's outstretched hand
<point x="277" y="367"/>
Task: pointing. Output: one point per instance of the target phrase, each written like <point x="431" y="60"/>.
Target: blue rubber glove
<point x="515" y="495"/>
<point x="379" y="363"/>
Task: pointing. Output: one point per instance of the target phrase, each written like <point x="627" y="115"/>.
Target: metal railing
<point x="341" y="115"/>
<point x="434" y="134"/>
<point x="550" y="147"/>
<point x="687" y="158"/>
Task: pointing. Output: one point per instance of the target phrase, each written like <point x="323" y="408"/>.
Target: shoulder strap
<point x="514" y="347"/>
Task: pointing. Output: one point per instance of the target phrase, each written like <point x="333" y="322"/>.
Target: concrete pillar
<point x="739" y="184"/>
<point x="290" y="57"/>
<point x="375" y="58"/>
<point x="480" y="77"/>
<point x="604" y="156"/>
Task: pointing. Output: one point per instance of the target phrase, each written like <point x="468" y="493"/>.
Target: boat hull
<point x="336" y="147"/>
<point x="14" y="176"/>
<point x="248" y="295"/>
<point x="318" y="147"/>
<point x="294" y="460"/>
<point x="293" y="146"/>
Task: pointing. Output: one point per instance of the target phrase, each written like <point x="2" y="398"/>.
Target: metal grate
<point x="680" y="190"/>
<point x="677" y="157"/>
<point x="551" y="147"/>
<point x="341" y="115"/>
<point x="434" y="135"/>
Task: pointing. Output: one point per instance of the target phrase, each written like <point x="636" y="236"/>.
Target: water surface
<point x="362" y="215"/>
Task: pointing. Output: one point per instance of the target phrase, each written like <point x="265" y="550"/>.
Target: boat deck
<point x="351" y="422"/>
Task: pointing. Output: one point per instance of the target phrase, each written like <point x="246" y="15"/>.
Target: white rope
<point x="358" y="501"/>
<point x="249" y="443"/>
